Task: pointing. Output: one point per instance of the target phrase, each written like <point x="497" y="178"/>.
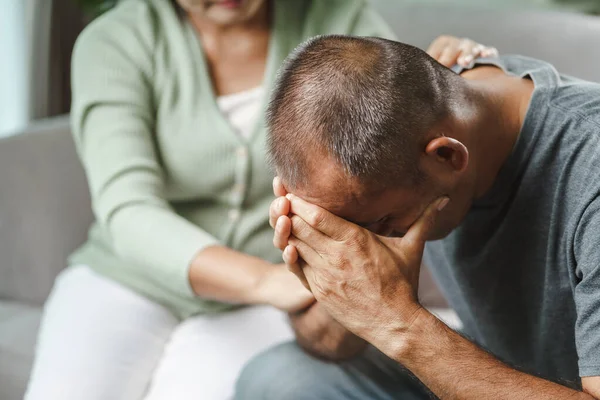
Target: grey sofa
<point x="44" y="214"/>
<point x="44" y="204"/>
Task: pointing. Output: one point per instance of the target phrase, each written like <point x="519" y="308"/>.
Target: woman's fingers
<point x="450" y="50"/>
<point x="489" y="52"/>
<point x="438" y="45"/>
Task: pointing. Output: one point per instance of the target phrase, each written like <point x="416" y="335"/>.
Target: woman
<point x="167" y="105"/>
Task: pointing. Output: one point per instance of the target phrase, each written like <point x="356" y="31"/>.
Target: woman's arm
<point x="224" y="274"/>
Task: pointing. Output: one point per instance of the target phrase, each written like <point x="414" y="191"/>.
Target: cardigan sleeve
<point x="113" y="122"/>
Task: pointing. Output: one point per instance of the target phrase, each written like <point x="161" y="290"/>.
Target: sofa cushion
<point x="19" y="324"/>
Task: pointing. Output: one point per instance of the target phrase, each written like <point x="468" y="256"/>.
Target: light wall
<point x="13" y="67"/>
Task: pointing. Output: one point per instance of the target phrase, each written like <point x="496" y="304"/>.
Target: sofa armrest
<point x="44" y="208"/>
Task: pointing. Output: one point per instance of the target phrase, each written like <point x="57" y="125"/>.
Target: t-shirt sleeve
<point x="113" y="125"/>
<point x="587" y="290"/>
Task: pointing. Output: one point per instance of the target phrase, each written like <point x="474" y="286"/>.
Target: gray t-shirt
<point x="523" y="269"/>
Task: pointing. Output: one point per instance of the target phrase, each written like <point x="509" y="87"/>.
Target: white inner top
<point x="242" y="110"/>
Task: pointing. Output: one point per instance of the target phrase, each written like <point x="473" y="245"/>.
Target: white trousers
<point x="100" y="340"/>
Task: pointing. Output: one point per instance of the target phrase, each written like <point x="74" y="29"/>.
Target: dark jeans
<point x="286" y="372"/>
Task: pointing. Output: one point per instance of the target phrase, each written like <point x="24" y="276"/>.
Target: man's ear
<point x="446" y="155"/>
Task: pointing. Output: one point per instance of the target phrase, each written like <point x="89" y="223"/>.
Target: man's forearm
<point x="454" y="368"/>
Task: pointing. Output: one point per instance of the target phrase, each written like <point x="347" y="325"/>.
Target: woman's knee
<point x="96" y="334"/>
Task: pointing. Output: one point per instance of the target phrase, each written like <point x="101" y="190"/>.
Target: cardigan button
<point x="238" y="189"/>
<point x="234" y="214"/>
<point x="242" y="152"/>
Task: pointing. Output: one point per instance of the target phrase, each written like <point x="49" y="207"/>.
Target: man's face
<point x="389" y="212"/>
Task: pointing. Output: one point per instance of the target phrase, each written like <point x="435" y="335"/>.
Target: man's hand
<point x="283" y="230"/>
<point x="322" y="336"/>
<point x="316" y="331"/>
<point x="367" y="282"/>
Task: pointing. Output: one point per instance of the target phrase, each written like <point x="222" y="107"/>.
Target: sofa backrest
<point x="569" y="41"/>
<point x="44" y="208"/>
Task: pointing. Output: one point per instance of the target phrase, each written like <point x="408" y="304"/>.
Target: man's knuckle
<point x="362" y="239"/>
<point x="353" y="243"/>
<point x="316" y="218"/>
<point x="357" y="239"/>
<point x="340" y="262"/>
<point x="320" y="288"/>
<point x="297" y="224"/>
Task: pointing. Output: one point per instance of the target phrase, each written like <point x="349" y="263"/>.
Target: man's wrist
<point x="401" y="338"/>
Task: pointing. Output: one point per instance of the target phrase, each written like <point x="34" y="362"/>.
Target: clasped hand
<point x="366" y="282"/>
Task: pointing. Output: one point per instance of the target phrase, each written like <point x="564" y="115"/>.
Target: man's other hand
<point x="323" y="337"/>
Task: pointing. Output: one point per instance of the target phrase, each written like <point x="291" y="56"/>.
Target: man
<point x="382" y="149"/>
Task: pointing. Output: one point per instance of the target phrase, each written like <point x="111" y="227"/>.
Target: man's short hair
<point x="364" y="102"/>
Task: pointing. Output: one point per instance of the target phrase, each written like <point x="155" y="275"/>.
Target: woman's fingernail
<point x="468" y="58"/>
<point x="443" y="203"/>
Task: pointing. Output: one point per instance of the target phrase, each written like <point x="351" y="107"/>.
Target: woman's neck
<point x="236" y="55"/>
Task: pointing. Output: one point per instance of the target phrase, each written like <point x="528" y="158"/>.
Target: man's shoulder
<point x="567" y="97"/>
<point x="578" y="100"/>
